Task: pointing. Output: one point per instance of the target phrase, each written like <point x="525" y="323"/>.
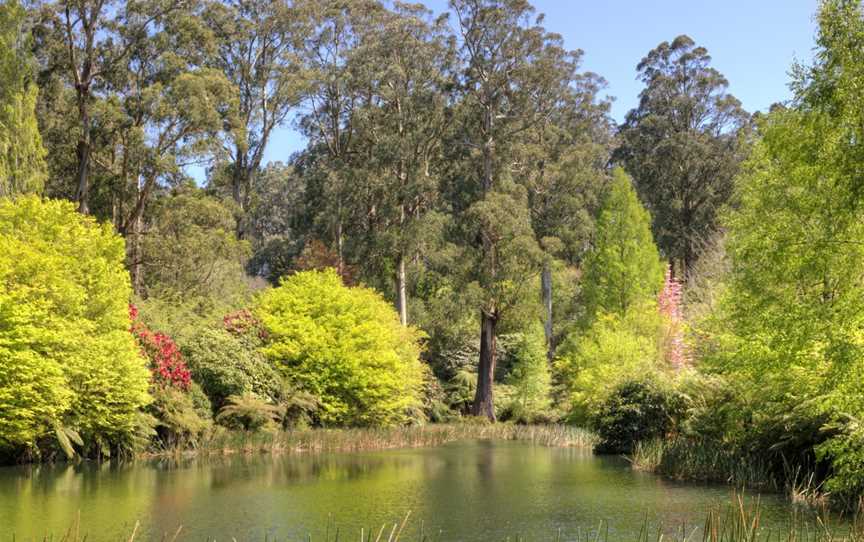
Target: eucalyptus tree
<point x="257" y="49"/>
<point x="513" y="74"/>
<point x="174" y="108"/>
<point x="565" y="172"/>
<point x="83" y="42"/>
<point x="409" y="59"/>
<point x="682" y="146"/>
<point x="338" y="85"/>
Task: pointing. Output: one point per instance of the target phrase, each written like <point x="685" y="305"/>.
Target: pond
<point x="472" y="491"/>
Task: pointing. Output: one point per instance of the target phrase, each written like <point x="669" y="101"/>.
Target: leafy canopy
<point x="344" y="345"/>
<point x="623" y="267"/>
<point x="66" y="355"/>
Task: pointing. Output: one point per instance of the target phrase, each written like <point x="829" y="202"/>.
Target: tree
<point x="682" y="146"/>
<point x="190" y="253"/>
<point x="89" y="41"/>
<point x="67" y="359"/>
<point x="410" y="58"/>
<point x="257" y="50"/>
<point x="791" y="311"/>
<point x="565" y="173"/>
<point x="623" y="266"/>
<point x="513" y="74"/>
<point x="22" y="157"/>
<point x="343" y="345"/>
<point x="339" y="84"/>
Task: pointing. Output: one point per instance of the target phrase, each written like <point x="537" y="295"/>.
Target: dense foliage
<point x="345" y="346"/>
<point x="464" y="233"/>
<point x="67" y="359"/>
<point x="635" y="411"/>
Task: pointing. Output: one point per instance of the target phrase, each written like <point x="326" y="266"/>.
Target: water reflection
<point x="467" y="491"/>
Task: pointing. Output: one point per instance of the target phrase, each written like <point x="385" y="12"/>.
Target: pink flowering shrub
<point x="669" y="304"/>
<point x="166" y="362"/>
<point x="243" y="322"/>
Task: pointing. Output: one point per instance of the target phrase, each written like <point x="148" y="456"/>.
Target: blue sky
<point x="753" y="43"/>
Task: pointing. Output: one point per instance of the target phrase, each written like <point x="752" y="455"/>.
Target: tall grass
<point x="735" y="521"/>
<point x="698" y="461"/>
<point x="350" y="440"/>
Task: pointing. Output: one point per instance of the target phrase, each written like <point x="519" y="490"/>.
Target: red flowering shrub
<point x="166" y="362"/>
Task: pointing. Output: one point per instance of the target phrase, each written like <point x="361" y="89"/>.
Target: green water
<point x="463" y="491"/>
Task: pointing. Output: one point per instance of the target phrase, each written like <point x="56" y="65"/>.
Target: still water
<point x="472" y="491"/>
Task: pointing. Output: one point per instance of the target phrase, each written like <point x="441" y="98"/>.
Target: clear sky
<point x="753" y="43"/>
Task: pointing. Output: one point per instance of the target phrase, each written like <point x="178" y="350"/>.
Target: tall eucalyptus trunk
<point x="483" y="400"/>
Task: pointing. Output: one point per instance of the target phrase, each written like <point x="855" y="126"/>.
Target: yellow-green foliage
<point x="66" y="355"/>
<point x="624" y="266"/>
<point x="615" y="349"/>
<point x="344" y="345"/>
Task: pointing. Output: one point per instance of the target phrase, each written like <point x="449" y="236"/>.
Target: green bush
<point x="615" y="349"/>
<point x="529" y="378"/>
<point x="249" y="413"/>
<point x="345" y="346"/>
<point x="67" y="358"/>
<point x="181" y="417"/>
<point x="635" y="411"/>
<point x="226" y="364"/>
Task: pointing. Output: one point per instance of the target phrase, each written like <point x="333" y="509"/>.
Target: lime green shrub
<point x="613" y="350"/>
<point x="67" y="359"/>
<point x="343" y="345"/>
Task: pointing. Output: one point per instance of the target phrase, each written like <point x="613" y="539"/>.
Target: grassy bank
<point x="681" y="459"/>
<point x="351" y="440"/>
<point x="736" y="521"/>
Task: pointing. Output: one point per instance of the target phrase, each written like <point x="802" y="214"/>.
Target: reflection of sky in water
<point x="465" y="491"/>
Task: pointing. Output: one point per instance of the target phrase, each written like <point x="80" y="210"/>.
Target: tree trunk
<point x="546" y="290"/>
<point x="483" y="401"/>
<point x="402" y="290"/>
<point x="133" y="247"/>
<point x="83" y="191"/>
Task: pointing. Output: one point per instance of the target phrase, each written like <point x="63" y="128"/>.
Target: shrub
<point x="635" y="411"/>
<point x="226" y="364"/>
<point x="67" y="358"/>
<point x="167" y="366"/>
<point x="249" y="413"/>
<point x="613" y="350"/>
<point x="529" y="378"/>
<point x="345" y="346"/>
<point x="181" y="417"/>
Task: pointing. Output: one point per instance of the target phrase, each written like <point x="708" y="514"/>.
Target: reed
<point x="360" y="439"/>
<point x="682" y="459"/>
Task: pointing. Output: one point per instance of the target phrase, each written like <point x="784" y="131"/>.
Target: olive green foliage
<point x="22" y="157"/>
<point x="191" y="252"/>
<point x="66" y="355"/>
<point x="683" y="145"/>
<point x="529" y="378"/>
<point x="226" y="364"/>
<point x="345" y="346"/>
<point x="623" y="266"/>
<point x="636" y="411"/>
